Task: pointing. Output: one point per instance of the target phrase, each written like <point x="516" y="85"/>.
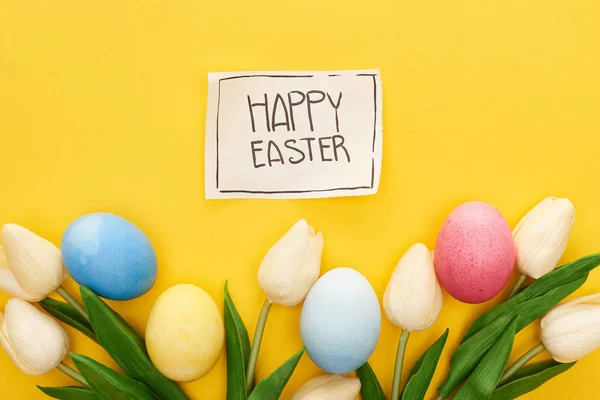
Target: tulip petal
<point x="533" y="214"/>
<point x="541" y="236"/>
<point x="413" y="297"/>
<point x="8" y="283"/>
<point x="329" y="387"/>
<point x="572" y="330"/>
<point x="33" y="340"/>
<point x="308" y="274"/>
<point x="35" y="262"/>
<point x="11" y="352"/>
<point x="292" y="265"/>
<point x="3" y="260"/>
<point x="565" y="308"/>
<point x="10" y="286"/>
<point x="282" y="261"/>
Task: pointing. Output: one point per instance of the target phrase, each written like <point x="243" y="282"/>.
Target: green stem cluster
<point x="516" y="366"/>
<point x="70" y="372"/>
<point x="517" y="286"/>
<point x="510" y="371"/>
<point x="73" y="302"/>
<point x="258" y="335"/>
<point x="396" y="385"/>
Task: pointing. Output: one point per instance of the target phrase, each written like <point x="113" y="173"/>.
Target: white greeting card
<point x="293" y="134"/>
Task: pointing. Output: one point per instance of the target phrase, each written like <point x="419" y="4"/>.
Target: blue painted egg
<point x="340" y="321"/>
<point x="110" y="255"/>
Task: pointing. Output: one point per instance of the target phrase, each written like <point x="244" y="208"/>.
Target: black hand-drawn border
<point x="373" y="76"/>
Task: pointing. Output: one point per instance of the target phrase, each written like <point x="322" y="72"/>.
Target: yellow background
<point x="102" y="108"/>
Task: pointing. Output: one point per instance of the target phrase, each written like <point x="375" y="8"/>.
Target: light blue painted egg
<point x="110" y="255"/>
<point x="340" y="321"/>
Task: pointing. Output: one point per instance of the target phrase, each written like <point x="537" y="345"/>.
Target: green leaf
<point x="530" y="304"/>
<point x="66" y="313"/>
<point x="529" y="378"/>
<point x="370" y="388"/>
<point x="470" y="353"/>
<point x="238" y="350"/>
<point x="533" y="369"/>
<point x="69" y="393"/>
<point x="108" y="384"/>
<point x="127" y="347"/>
<point x="422" y="372"/>
<point x="140" y="341"/>
<point x="484" y="379"/>
<point x="243" y="332"/>
<point x="271" y="387"/>
<point x="566" y="274"/>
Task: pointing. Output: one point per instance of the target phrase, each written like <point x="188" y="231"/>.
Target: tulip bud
<point x="33" y="340"/>
<point x="413" y="298"/>
<point x="571" y="330"/>
<point x="3" y="260"/>
<point x="329" y="387"/>
<point x="541" y="236"/>
<point x="292" y="265"/>
<point x="8" y="283"/>
<point x="36" y="268"/>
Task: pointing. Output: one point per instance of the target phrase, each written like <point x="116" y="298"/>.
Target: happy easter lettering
<point x="285" y="111"/>
<point x="293" y="135"/>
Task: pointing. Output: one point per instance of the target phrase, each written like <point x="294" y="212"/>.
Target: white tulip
<point x="32" y="266"/>
<point x="33" y="340"/>
<point x="329" y="387"/>
<point x="413" y="298"/>
<point x="3" y="260"/>
<point x="292" y="265"/>
<point x="571" y="330"/>
<point x="541" y="236"/>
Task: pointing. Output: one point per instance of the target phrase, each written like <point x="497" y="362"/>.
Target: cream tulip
<point x="286" y="274"/>
<point x="541" y="236"/>
<point x="413" y="297"/>
<point x="8" y="283"/>
<point x="329" y="387"/>
<point x="34" y="341"/>
<point x="292" y="265"/>
<point x="571" y="330"/>
<point x="32" y="266"/>
<point x="412" y="301"/>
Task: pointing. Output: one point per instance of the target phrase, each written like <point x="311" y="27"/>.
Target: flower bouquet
<point x="473" y="261"/>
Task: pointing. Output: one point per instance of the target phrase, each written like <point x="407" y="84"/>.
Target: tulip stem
<point x="510" y="371"/>
<point x="258" y="334"/>
<point x="396" y="386"/>
<point x="70" y="372"/>
<point x="73" y="302"/>
<point x="518" y="285"/>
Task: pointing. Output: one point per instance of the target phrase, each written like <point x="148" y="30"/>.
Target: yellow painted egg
<point x="185" y="333"/>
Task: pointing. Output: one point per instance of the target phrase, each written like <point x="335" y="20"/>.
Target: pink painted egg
<point x="475" y="253"/>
